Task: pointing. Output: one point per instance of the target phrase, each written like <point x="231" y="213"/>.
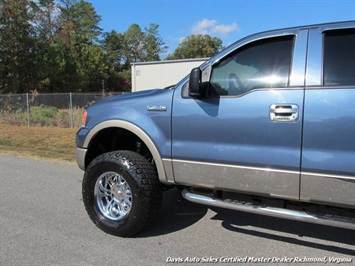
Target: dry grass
<point x="44" y="142"/>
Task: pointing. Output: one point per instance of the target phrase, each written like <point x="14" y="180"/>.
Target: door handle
<point x="283" y="112"/>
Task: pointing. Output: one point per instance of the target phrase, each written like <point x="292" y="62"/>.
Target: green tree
<point x="153" y="43"/>
<point x="133" y="44"/>
<point x="78" y="39"/>
<point x="80" y="21"/>
<point x="139" y="46"/>
<point x="57" y="46"/>
<point x="197" y="46"/>
<point x="113" y="48"/>
<point x="142" y="46"/>
<point x="17" y="47"/>
<point x="91" y="68"/>
<point x="49" y="57"/>
<point x="46" y="20"/>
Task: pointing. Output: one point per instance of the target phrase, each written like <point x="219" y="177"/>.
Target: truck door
<point x="328" y="161"/>
<point x="245" y="135"/>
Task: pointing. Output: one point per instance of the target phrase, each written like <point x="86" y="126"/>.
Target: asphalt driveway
<point x="43" y="222"/>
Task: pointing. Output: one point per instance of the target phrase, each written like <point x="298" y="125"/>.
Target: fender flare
<point x="137" y="131"/>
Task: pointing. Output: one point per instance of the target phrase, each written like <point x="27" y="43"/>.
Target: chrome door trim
<point x="347" y="177"/>
<point x="168" y="161"/>
<point x="336" y="190"/>
<point x="239" y="178"/>
<point x="244" y="179"/>
<point x="238" y="166"/>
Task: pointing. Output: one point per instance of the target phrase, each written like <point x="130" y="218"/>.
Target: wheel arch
<point x="139" y="133"/>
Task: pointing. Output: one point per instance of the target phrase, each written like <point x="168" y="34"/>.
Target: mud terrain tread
<point x="147" y="186"/>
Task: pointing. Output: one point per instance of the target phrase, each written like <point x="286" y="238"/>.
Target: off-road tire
<point x="145" y="192"/>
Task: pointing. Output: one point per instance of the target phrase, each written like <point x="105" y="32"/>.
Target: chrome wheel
<point x="113" y="196"/>
<point x="121" y="192"/>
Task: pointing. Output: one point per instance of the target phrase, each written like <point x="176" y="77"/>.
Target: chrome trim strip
<point x="239" y="167"/>
<point x="269" y="211"/>
<point x="244" y="179"/>
<point x="329" y="175"/>
<point x="140" y="133"/>
<point x="333" y="190"/>
<point x="264" y="169"/>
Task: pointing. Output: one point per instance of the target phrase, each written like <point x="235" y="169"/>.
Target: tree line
<point x="58" y="46"/>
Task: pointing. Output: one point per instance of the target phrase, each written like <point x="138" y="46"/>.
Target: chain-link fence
<point x="57" y="109"/>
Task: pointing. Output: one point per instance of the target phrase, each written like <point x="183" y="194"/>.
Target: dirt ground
<point x="45" y="142"/>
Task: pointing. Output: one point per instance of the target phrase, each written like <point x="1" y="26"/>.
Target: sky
<point x="228" y="20"/>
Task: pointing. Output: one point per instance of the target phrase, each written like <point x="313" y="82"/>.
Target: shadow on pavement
<point x="239" y="222"/>
<point x="176" y="214"/>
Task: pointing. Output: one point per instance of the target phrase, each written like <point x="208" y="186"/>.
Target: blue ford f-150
<point x="266" y="126"/>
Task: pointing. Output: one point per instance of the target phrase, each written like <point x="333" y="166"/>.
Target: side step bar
<point x="330" y="220"/>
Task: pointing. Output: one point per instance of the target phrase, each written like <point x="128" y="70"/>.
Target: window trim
<point x="315" y="59"/>
<point x="324" y="32"/>
<point x="294" y="39"/>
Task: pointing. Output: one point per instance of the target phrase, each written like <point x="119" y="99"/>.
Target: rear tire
<point x="121" y="193"/>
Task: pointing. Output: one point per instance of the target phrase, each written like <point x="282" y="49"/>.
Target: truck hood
<point x="130" y="107"/>
<point x="132" y="96"/>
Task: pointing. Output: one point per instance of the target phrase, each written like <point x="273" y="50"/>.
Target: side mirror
<point x="195" y="82"/>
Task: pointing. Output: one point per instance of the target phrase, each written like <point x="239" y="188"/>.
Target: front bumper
<point x="80" y="157"/>
<point x="81" y="150"/>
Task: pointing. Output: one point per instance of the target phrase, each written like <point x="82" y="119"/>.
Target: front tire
<point x="121" y="193"/>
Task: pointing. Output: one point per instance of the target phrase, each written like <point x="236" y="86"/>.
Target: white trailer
<point x="160" y="74"/>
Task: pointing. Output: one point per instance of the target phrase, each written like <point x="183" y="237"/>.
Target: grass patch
<point x="7" y="143"/>
<point x="44" y="142"/>
<point x="57" y="150"/>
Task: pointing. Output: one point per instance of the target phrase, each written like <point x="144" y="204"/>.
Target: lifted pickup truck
<point x="266" y="126"/>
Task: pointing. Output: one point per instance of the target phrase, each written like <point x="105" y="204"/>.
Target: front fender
<point x="139" y="132"/>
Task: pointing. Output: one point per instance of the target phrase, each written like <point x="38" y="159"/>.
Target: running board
<point x="330" y="220"/>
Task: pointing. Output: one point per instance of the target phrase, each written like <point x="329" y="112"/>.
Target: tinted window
<point x="261" y="64"/>
<point x="339" y="57"/>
